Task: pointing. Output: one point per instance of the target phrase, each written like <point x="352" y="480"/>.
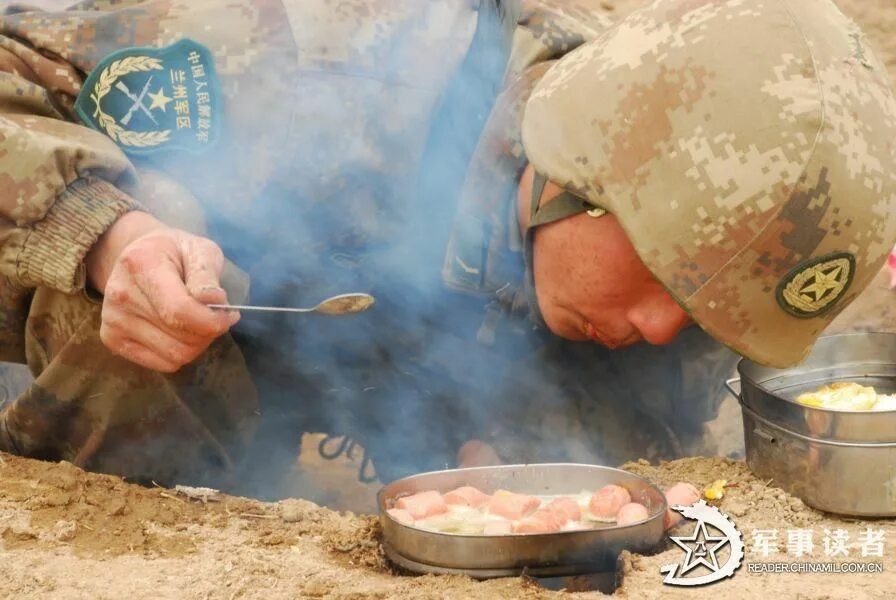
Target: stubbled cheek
<point x="561" y="322"/>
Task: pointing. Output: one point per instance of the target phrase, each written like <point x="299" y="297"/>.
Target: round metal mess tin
<point x="540" y="555"/>
<point x="842" y="462"/>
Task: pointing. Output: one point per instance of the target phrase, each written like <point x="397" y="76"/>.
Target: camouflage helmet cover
<point x="746" y="147"/>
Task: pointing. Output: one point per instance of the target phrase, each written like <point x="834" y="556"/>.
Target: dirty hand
<point x="156" y="281"/>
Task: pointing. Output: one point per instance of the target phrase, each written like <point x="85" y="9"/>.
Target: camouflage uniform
<point x="322" y="181"/>
<point x="777" y="210"/>
<point x="760" y="192"/>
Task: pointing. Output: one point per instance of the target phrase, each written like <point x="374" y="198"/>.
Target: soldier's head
<point x="743" y="151"/>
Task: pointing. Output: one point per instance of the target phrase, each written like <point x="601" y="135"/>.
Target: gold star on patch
<point x="813" y="287"/>
<point x="823" y="283"/>
<point x="159" y="100"/>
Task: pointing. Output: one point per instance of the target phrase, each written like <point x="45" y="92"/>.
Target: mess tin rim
<point x="381" y="501"/>
<point x="746" y="364"/>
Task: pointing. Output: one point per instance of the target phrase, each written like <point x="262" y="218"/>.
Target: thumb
<point x="203" y="262"/>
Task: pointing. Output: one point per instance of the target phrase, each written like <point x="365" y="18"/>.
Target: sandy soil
<point x="69" y="534"/>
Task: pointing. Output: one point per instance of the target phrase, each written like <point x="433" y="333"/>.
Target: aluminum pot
<point x="842" y="462"/>
<point x="541" y="555"/>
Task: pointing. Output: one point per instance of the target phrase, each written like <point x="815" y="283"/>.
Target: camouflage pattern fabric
<point x="103" y="413"/>
<point x="746" y="148"/>
<point x="557" y="401"/>
<point x="329" y="112"/>
<point x="482" y="255"/>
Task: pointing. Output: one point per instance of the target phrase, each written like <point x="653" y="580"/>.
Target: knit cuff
<point x="53" y="252"/>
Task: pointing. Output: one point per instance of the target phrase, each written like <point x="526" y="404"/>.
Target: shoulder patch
<point x="814" y="286"/>
<point x="150" y="100"/>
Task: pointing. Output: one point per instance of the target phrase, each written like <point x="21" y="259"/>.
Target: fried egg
<point x="848" y="396"/>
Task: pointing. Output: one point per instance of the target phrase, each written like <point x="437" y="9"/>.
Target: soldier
<point x="330" y="147"/>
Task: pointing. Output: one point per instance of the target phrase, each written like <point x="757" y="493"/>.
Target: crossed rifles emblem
<point x="137" y="101"/>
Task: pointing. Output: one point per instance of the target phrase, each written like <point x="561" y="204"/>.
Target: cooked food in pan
<point x="467" y="510"/>
<point x="848" y="396"/>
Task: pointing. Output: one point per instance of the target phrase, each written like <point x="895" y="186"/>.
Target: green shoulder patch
<point x="150" y="100"/>
<point x="814" y="286"/>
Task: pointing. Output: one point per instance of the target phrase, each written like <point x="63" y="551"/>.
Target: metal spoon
<point x="343" y="304"/>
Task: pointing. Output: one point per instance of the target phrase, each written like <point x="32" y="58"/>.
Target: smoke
<point x="377" y="150"/>
<point x="351" y="185"/>
<point x="366" y="203"/>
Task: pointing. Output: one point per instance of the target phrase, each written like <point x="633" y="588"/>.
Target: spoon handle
<point x="259" y="308"/>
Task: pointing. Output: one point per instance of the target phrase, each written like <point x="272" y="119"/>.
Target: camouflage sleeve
<point x="56" y="177"/>
<point x="548" y="29"/>
<point x="543" y="32"/>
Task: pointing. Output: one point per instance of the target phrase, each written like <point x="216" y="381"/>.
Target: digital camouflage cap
<point x="746" y="147"/>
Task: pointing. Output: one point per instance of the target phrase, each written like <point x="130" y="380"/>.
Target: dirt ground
<point x="68" y="534"/>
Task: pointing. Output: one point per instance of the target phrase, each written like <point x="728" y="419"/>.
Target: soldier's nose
<point x="659" y="318"/>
